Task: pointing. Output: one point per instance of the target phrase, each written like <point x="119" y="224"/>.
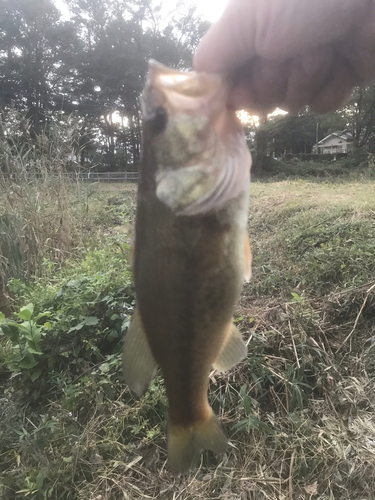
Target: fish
<point x="191" y="252"/>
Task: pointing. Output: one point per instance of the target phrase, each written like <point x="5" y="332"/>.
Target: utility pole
<point x="317" y="138"/>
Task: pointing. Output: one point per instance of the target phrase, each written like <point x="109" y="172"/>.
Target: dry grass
<point x="300" y="411"/>
<point x="114" y="187"/>
<point x="37" y="219"/>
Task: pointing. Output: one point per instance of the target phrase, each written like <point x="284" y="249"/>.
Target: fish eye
<point x="159" y="121"/>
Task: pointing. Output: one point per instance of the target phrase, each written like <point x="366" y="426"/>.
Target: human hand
<point x="291" y="53"/>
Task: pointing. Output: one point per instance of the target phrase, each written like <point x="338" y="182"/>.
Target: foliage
<point x="93" y="64"/>
<point x="360" y="115"/>
<point x="74" y="327"/>
<point x="26" y="338"/>
<point x="11" y="253"/>
<point x="318" y="167"/>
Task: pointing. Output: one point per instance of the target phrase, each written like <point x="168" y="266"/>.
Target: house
<point x="337" y="142"/>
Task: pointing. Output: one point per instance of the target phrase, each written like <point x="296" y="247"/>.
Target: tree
<point x="360" y="115"/>
<point x="33" y="45"/>
<point x="93" y="65"/>
<point x="297" y="133"/>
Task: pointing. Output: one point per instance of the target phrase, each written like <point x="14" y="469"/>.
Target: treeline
<point x="89" y="67"/>
<point x="86" y="70"/>
<point x="283" y="135"/>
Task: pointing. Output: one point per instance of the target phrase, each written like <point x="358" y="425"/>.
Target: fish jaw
<point x="200" y="149"/>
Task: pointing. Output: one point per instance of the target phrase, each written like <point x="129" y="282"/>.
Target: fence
<point x="105" y="176"/>
<point x="87" y="176"/>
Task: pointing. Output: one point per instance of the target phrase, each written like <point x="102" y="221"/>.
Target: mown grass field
<point x="299" y="412"/>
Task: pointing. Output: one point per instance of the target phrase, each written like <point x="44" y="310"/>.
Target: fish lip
<point x="161" y="76"/>
<point x="179" y="91"/>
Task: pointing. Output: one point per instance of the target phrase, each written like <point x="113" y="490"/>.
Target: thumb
<point x="275" y="30"/>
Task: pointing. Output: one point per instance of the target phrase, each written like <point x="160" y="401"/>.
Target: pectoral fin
<point x="248" y="257"/>
<point x="233" y="352"/>
<point x="138" y="363"/>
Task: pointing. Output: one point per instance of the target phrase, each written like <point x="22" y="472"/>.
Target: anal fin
<point x="248" y="257"/>
<point x="138" y="363"/>
<point x="233" y="352"/>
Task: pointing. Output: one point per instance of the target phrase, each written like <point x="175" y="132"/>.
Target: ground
<point x="299" y="412"/>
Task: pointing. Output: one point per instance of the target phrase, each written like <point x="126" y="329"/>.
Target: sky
<point x="209" y="9"/>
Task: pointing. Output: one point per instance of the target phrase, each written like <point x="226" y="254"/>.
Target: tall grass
<point x="37" y="220"/>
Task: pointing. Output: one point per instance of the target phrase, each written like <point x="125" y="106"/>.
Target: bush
<point x="321" y="158"/>
<point x="72" y="327"/>
<point x="344" y="168"/>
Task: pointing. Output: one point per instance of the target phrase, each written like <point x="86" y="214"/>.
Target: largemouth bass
<point x="191" y="252"/>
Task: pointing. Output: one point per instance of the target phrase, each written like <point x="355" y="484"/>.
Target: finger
<point x="275" y="30"/>
<point x="269" y="83"/>
<point x="297" y="27"/>
<point x="323" y="80"/>
<point x="260" y="86"/>
<point x="359" y="48"/>
<point x="229" y="42"/>
<point x="242" y="97"/>
<point x="336" y="90"/>
<point x="307" y="75"/>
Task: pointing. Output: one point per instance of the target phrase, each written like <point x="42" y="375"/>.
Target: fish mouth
<point x="177" y="91"/>
<point x="186" y="83"/>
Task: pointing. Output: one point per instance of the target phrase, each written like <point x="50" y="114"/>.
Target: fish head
<point x="178" y="109"/>
<point x="201" y="156"/>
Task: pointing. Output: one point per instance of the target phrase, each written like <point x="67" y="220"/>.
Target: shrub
<point x="74" y="325"/>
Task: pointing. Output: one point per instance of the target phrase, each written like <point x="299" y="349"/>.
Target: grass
<point x="299" y="412"/>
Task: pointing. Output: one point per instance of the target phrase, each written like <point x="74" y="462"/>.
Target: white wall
<point x="334" y="145"/>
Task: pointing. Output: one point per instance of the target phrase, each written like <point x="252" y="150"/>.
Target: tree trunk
<point x="261" y="147"/>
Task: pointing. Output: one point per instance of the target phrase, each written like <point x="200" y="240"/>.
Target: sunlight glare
<point x="248" y="119"/>
<point x="253" y="120"/>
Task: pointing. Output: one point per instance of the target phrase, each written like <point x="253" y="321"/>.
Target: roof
<point x="345" y="135"/>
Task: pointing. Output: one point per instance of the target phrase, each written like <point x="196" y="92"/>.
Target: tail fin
<point x="186" y="442"/>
